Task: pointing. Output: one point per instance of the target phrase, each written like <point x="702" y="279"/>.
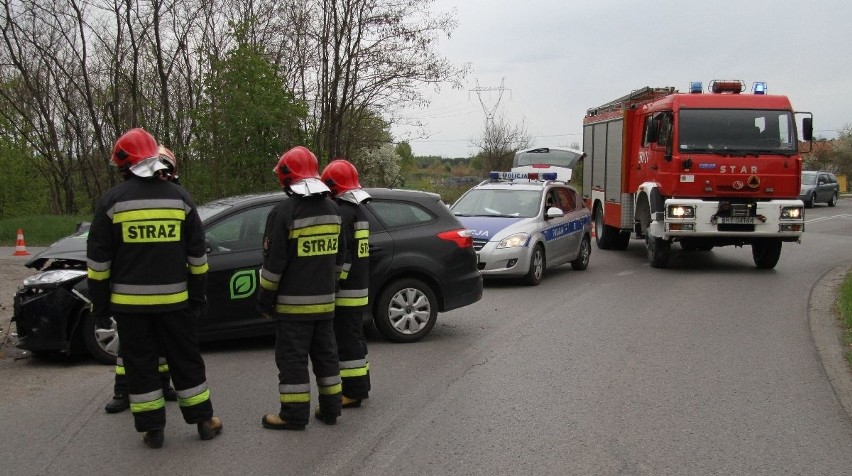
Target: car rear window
<point x="400" y="214"/>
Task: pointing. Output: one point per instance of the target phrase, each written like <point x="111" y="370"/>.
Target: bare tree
<point x="499" y="142"/>
<point x="372" y="56"/>
<point x="74" y="74"/>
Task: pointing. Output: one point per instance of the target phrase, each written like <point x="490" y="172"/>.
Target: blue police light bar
<point x="495" y="175"/>
<point x="696" y="87"/>
<point x="759" y="87"/>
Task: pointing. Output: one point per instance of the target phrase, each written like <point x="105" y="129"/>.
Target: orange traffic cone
<point x="20" y="246"/>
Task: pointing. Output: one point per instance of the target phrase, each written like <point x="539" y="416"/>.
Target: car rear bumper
<point x="466" y="290"/>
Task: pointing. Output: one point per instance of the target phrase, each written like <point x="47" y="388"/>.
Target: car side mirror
<point x="553" y="212"/>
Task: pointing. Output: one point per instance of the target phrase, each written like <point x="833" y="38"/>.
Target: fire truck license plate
<point x="736" y="220"/>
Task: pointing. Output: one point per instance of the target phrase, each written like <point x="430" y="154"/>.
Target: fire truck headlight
<point x="792" y="213"/>
<point x="514" y="241"/>
<point x="680" y="211"/>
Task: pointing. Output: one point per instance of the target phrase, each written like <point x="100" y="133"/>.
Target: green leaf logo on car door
<point x="243" y="283"/>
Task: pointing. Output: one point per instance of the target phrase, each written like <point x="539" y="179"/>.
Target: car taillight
<point x="461" y="237"/>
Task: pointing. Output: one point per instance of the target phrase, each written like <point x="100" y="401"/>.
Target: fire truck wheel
<point x="658" y="251"/>
<point x="608" y="237"/>
<point x="537" y="266"/>
<point x="621" y="241"/>
<point x="766" y="253"/>
<point x="582" y="260"/>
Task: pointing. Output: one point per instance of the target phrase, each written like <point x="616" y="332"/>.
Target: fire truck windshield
<point x="736" y="131"/>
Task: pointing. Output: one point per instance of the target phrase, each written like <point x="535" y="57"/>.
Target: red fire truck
<point x="704" y="169"/>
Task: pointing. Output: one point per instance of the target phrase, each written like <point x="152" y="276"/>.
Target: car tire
<point x="406" y="310"/>
<point x="101" y="343"/>
<point x="582" y="260"/>
<point x="538" y="264"/>
<point x="766" y="253"/>
<point x="810" y="203"/>
<point x="832" y="202"/>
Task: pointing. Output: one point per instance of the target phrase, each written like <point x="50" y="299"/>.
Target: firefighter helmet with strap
<point x="138" y="152"/>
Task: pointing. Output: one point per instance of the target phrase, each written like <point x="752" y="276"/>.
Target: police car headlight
<point x="514" y="241"/>
<point x="792" y="213"/>
<point x="681" y="211"/>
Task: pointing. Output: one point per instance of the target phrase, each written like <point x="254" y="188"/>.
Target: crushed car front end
<point x="47" y="310"/>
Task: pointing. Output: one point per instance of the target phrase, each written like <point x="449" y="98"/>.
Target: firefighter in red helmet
<point x="168" y="158"/>
<point x="351" y="299"/>
<point x="140" y="221"/>
<point x="303" y="252"/>
<point x="120" y="401"/>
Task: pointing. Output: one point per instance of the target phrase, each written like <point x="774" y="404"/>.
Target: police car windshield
<point x="501" y="203"/>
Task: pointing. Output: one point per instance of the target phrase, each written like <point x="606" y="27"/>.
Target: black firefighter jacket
<point x="146" y="250"/>
<point x="303" y="252"/>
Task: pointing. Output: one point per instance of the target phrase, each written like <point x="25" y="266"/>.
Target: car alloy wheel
<point x="101" y="342"/>
<point x="406" y="310"/>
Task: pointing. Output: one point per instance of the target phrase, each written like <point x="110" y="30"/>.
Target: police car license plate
<point x="736" y="220"/>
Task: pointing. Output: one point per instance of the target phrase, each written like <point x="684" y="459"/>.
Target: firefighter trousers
<point x="352" y="353"/>
<point x="120" y="386"/>
<point x="173" y="333"/>
<point x="295" y="341"/>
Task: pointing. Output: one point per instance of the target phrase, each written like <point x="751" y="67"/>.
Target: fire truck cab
<point x="703" y="169"/>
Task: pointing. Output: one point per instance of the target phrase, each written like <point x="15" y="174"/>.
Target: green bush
<point x="844" y="310"/>
<point x="39" y="230"/>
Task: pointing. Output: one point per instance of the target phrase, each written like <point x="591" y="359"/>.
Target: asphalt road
<point x="710" y="367"/>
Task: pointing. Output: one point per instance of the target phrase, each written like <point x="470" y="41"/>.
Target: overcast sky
<point x="557" y="58"/>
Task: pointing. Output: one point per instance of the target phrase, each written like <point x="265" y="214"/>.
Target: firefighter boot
<point x="275" y="422"/>
<point x="208" y="429"/>
<point x="118" y="404"/>
<point x="328" y="420"/>
<point x="351" y="402"/>
<point x="153" y="439"/>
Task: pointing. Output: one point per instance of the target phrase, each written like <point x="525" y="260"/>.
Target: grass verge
<point x="844" y="311"/>
<point x="39" y="230"/>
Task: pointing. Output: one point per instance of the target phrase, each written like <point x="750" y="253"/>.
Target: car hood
<point x="490" y="228"/>
<point x="70" y="248"/>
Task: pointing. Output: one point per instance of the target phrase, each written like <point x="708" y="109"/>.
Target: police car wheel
<point x="538" y="264"/>
<point x="406" y="310"/>
<point x="102" y="343"/>
<point x="582" y="261"/>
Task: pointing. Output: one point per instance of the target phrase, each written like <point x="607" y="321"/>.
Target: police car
<point x="524" y="223"/>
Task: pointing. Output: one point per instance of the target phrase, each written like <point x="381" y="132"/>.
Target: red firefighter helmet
<point x="169" y="157"/>
<point x="296" y="164"/>
<point x="340" y="176"/>
<point x="134" y="150"/>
